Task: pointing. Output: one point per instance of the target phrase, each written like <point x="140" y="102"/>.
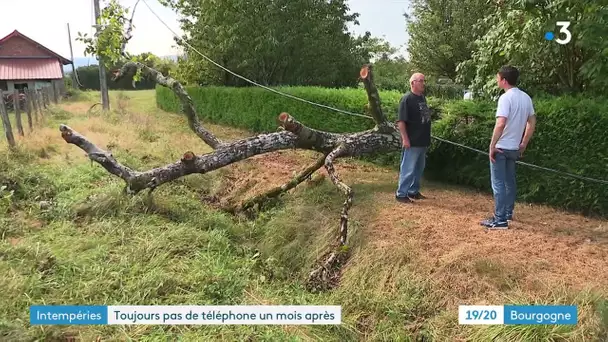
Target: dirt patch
<point x="14" y="241"/>
<point x="78" y="108"/>
<point x="474" y="264"/>
<point x="261" y="173"/>
<point x="22" y="219"/>
<point x="543" y="248"/>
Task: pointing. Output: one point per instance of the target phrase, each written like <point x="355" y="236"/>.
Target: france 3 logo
<point x="563" y="31"/>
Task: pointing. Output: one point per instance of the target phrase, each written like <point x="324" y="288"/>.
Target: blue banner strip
<point x="540" y="314"/>
<point x="68" y="314"/>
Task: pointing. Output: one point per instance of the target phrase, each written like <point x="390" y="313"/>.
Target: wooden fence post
<point x="43" y="97"/>
<point x="8" y="130"/>
<point x="40" y="98"/>
<point x="58" y="91"/>
<point x="42" y="101"/>
<point x="29" y="106"/>
<point x="17" y="107"/>
<point x="55" y="93"/>
<point x="33" y="93"/>
<point x="37" y="102"/>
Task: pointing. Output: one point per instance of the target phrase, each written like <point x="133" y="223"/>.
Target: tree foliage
<point x="106" y="42"/>
<point x="441" y="33"/>
<point x="113" y="31"/>
<point x="275" y="42"/>
<point x="516" y="36"/>
<point x="393" y="73"/>
<point x="89" y="75"/>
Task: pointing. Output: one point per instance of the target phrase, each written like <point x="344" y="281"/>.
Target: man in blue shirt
<point x="515" y="118"/>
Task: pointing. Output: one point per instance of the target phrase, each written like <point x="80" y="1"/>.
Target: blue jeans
<point x="502" y="173"/>
<point x="413" y="160"/>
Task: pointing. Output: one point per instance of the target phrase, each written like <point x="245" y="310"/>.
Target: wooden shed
<point x="27" y="64"/>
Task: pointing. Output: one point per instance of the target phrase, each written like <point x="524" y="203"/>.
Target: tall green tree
<point x="275" y="42"/>
<point x="516" y="36"/>
<point x="442" y="33"/>
<point x="392" y="73"/>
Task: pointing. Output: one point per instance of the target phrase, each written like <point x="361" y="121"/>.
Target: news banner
<point x="276" y="314"/>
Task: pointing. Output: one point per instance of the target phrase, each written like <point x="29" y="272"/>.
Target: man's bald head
<point x="417" y="83"/>
<point x="416" y="76"/>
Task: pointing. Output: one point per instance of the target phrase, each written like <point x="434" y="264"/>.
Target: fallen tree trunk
<point x="383" y="138"/>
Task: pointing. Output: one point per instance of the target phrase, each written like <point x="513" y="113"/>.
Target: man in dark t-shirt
<point x="414" y="122"/>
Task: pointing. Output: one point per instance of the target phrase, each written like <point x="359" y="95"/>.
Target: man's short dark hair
<point x="509" y="73"/>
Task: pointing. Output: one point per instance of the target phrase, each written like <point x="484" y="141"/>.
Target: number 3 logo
<point x="564" y="29"/>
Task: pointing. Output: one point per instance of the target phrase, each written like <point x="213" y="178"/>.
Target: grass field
<point x="69" y="236"/>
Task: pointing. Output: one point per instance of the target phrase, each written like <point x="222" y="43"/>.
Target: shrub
<point x="445" y="91"/>
<point x="257" y="109"/>
<point x="570" y="137"/>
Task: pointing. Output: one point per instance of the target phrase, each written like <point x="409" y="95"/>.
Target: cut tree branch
<point x="130" y="68"/>
<point x="306" y="173"/>
<point x="96" y="154"/>
<point x="383" y="138"/>
<point x="127" y="37"/>
<point x="327" y="273"/>
<point x="374" y="99"/>
<point x="354" y="144"/>
<point x="333" y="175"/>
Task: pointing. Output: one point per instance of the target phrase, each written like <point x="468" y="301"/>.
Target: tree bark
<point x="383" y="138"/>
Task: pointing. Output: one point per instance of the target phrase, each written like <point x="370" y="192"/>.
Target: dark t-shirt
<point x="417" y="116"/>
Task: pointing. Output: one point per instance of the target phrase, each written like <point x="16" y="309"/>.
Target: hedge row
<point x="257" y="109"/>
<point x="570" y="135"/>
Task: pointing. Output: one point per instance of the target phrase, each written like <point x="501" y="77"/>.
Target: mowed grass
<point x="68" y="235"/>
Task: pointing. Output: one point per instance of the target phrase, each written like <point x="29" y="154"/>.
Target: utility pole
<point x="103" y="84"/>
<point x="74" y="81"/>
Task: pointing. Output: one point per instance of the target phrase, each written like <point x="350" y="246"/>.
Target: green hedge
<point x="257" y="109"/>
<point x="570" y="135"/>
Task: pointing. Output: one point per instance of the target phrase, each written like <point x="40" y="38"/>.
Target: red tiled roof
<point x="30" y="69"/>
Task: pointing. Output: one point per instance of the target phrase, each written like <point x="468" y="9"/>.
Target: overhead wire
<point x="527" y="164"/>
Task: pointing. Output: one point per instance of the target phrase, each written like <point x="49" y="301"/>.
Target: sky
<point x="46" y="22"/>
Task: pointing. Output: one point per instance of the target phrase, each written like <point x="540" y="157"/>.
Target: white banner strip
<point x="481" y="314"/>
<point x="224" y="315"/>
